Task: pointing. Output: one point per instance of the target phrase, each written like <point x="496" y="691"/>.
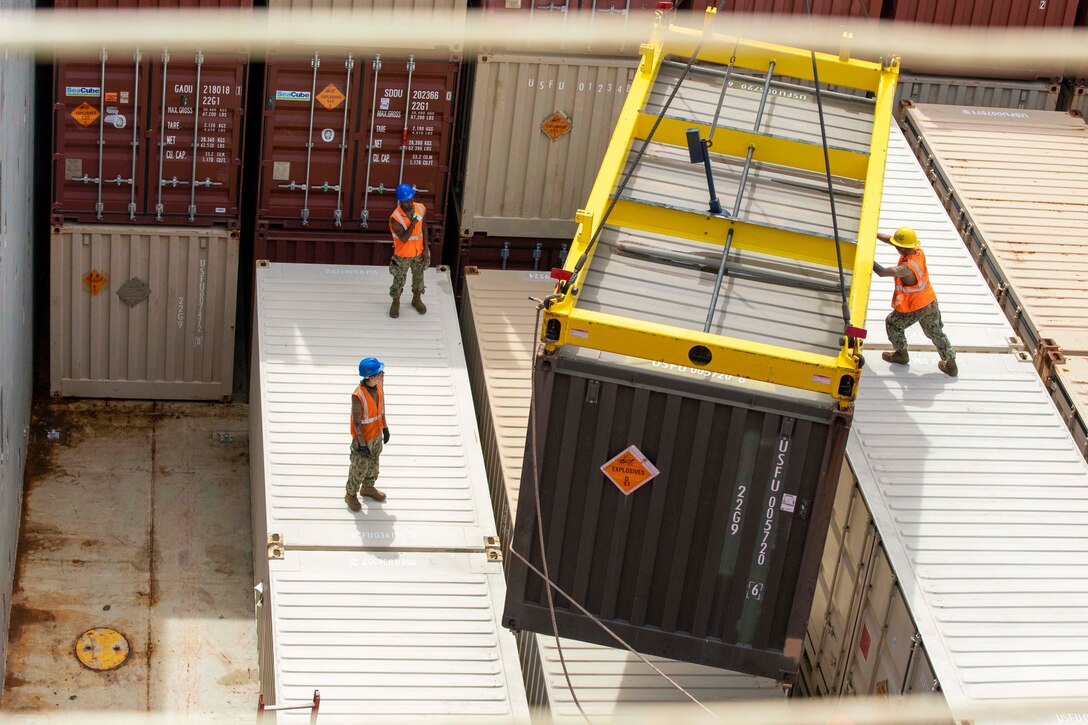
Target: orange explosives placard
<point x="331" y="97"/>
<point x="629" y="470"/>
<point x="85" y="114"/>
<point x="556" y="125"/>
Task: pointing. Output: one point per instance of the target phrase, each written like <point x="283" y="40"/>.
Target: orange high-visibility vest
<point x="908" y="298"/>
<point x="373" y="405"/>
<point x="414" y="246"/>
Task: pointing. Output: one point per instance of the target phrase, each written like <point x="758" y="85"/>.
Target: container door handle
<point x="135" y="135"/>
<point x="338" y="215"/>
<point x="315" y="63"/>
<point x="162" y="133"/>
<point x="370" y="143"/>
<point x="407" y="116"/>
<point x="101" y="132"/>
<point x="196" y="135"/>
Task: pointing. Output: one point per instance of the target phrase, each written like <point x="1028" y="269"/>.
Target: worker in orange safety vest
<point x="914" y="300"/>
<point x="410" y="250"/>
<point x="369" y="432"/>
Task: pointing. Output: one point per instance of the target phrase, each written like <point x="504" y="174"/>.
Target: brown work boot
<point x="899" y="357"/>
<point x="353" y="502"/>
<point x="948" y="367"/>
<point x="417" y="302"/>
<point x="371" y="492"/>
<point x="394" y="308"/>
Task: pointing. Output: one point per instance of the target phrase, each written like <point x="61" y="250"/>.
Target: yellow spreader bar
<point x="836" y="376"/>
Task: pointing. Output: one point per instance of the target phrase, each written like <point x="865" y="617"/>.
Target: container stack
<point x="146" y="180"/>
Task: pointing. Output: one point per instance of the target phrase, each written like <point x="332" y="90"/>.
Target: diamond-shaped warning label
<point x="95" y="281"/>
<point x="85" y="114"/>
<point x="629" y="470"/>
<point x="556" y="125"/>
<point x="331" y="97"/>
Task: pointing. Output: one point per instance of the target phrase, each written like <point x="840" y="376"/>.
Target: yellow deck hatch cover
<point x="102" y="649"/>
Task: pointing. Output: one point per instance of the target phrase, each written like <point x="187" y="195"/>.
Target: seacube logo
<point x="292" y="95"/>
<point x="83" y="91"/>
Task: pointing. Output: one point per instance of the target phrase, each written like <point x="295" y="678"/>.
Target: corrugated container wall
<point x="17" y="145"/>
<point x="521" y="253"/>
<point x="341" y="131"/>
<point x="985" y="13"/>
<point x="326" y="247"/>
<point x="142" y="312"/>
<point x="497" y="324"/>
<point x="980" y="92"/>
<point x="1074" y="95"/>
<point x="857" y="8"/>
<point x="411" y="10"/>
<point x="538" y="129"/>
<point x="1016" y="182"/>
<point x="1067" y="381"/>
<point x="148" y="137"/>
<point x="701" y="565"/>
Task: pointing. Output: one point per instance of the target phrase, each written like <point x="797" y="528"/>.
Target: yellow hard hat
<point x="906" y="238"/>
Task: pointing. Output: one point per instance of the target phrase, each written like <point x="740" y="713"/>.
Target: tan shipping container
<point x="1016" y="185"/>
<point x="538" y="129"/>
<point x="1067" y="381"/>
<point x="410" y="10"/>
<point x="142" y="312"/>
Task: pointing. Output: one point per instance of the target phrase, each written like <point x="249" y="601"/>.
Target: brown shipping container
<point x="860" y="8"/>
<point x="149" y="4"/>
<point x="985" y="13"/>
<point x="509" y="253"/>
<point x="333" y="247"/>
<point x="715" y="560"/>
<point x="142" y="312"/>
<point x="148" y="138"/>
<point x="335" y="142"/>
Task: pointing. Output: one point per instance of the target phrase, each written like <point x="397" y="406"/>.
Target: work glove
<point x="363" y="449"/>
<point x="385" y="435"/>
<point x="415" y="217"/>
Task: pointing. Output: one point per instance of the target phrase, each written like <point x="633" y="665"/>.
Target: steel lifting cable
<point x="827" y="174"/>
<point x="564" y="286"/>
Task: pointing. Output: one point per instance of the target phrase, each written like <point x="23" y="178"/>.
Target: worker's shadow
<point x="376" y="524"/>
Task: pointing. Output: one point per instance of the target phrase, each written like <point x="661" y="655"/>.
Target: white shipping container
<point x="498" y="328"/>
<point x="313" y="324"/>
<point x="971" y="316"/>
<point x="142" y="312"/>
<point x="538" y="129"/>
<point x="981" y="500"/>
<point x="1017" y="185"/>
<point x="389" y="637"/>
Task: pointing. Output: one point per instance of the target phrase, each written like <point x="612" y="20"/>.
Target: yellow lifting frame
<point x="744" y="358"/>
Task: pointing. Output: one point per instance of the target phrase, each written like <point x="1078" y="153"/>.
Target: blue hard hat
<point x="405" y="192"/>
<point x="370" y="366"/>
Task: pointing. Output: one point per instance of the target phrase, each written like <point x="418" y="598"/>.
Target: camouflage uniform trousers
<point x="930" y="317"/>
<point x="363" y="471"/>
<point x="399" y="266"/>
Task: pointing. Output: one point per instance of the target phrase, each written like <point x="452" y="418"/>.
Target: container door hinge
<point x="275" y="546"/>
<point x="493" y="548"/>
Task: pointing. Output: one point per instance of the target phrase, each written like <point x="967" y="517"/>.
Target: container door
<point x="309" y="141"/>
<point x="196" y="121"/>
<point x="98" y="152"/>
<point x="406" y="128"/>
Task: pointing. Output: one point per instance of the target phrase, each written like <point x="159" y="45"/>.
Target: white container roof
<point x="971" y="315"/>
<point x="393" y="637"/>
<point x="314" y="323"/>
<point x="981" y="499"/>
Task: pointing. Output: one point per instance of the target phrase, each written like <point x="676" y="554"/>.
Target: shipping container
<point x="643" y="362"/>
<point x="984" y="92"/>
<point x="148" y="137"/>
<point x="985" y="13"/>
<point x="1016" y="183"/>
<point x="972" y="318"/>
<point x="537" y="132"/>
<point x="313" y="324"/>
<point x="571" y="8"/>
<point x="1066" y="378"/>
<point x="979" y="496"/>
<point x="18" y="290"/>
<point x="149" y="4"/>
<point x="522" y="253"/>
<point x="452" y="11"/>
<point x="862" y="639"/>
<point x="1074" y="94"/>
<point x="333" y="247"/>
<point x="335" y="142"/>
<point x="393" y="636"/>
<point x="497" y="324"/>
<point x="142" y="312"/>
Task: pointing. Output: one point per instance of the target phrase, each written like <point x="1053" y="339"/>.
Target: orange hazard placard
<point x="629" y="470"/>
<point x="331" y="97"/>
<point x="85" y="114"/>
<point x="556" y="125"/>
